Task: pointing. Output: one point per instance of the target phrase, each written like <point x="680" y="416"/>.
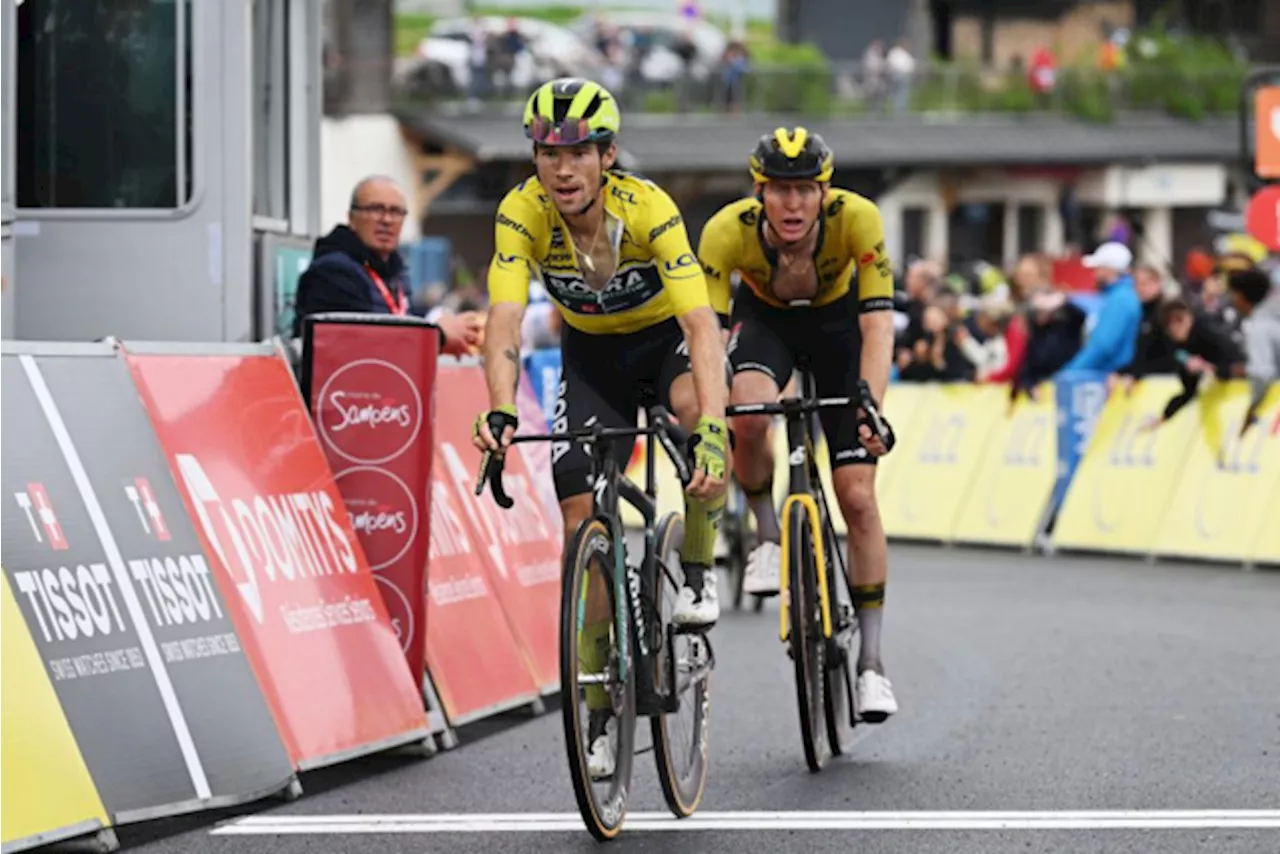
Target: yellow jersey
<point x="658" y="276"/>
<point x="850" y="244"/>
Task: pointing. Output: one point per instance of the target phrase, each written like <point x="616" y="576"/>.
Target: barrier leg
<point x="104" y="841"/>
<point x="291" y="792"/>
<point x="424" y="749"/>
<point x="445" y="738"/>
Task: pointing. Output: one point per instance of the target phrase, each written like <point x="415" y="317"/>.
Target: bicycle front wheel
<point x="808" y="646"/>
<point x="590" y="695"/>
<point x="838" y="688"/>
<point x="680" y="746"/>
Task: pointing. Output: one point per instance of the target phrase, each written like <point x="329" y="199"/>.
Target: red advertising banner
<point x="475" y="660"/>
<point x="371" y="390"/>
<point x="248" y="463"/>
<point x="521" y="545"/>
<point x="537" y="456"/>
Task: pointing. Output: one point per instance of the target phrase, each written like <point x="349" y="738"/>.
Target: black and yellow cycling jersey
<point x="850" y="243"/>
<point x="658" y="276"/>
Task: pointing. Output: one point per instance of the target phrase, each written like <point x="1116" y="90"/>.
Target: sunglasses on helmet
<point x="565" y="132"/>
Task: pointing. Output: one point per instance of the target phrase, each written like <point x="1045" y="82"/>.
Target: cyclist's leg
<point x="762" y="364"/>
<point x="836" y="372"/>
<point x="698" y="603"/>
<point x="588" y="393"/>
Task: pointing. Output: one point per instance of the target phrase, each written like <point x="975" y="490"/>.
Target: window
<point x="270" y="118"/>
<point x="976" y="232"/>
<point x="1030" y="228"/>
<point x="914" y="229"/>
<point x="102" y="119"/>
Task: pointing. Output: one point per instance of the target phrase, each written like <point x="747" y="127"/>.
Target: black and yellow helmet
<point x="791" y="155"/>
<point x="569" y="111"/>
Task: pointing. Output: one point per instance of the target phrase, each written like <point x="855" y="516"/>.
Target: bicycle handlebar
<point x="662" y="425"/>
<point x="864" y="400"/>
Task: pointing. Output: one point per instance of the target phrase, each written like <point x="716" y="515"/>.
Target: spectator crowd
<point x="1220" y="322"/>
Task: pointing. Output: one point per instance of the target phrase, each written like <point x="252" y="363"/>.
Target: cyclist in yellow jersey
<point x="798" y="246"/>
<point x="615" y="258"/>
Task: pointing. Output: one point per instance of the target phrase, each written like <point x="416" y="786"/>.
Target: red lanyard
<point x="402" y="307"/>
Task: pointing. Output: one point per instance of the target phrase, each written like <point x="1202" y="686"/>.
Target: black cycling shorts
<point x="609" y="378"/>
<point x="827" y="339"/>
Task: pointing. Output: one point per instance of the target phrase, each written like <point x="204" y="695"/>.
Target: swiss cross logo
<point x="44" y="522"/>
<point x="148" y="509"/>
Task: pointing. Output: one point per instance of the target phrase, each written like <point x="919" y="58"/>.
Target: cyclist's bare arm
<point x="683" y="279"/>
<point x="716" y="255"/>
<point x="509" y="275"/>
<point x="875" y="298"/>
<point x="706" y="355"/>
<point x="502" y="352"/>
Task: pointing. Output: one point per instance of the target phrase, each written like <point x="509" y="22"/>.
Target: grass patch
<point x="411" y="29"/>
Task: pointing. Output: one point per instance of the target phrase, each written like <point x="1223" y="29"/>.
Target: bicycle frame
<point x="805" y="481"/>
<point x="635" y="588"/>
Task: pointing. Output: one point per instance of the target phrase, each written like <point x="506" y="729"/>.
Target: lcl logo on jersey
<point x="44" y="521"/>
<point x="143" y="499"/>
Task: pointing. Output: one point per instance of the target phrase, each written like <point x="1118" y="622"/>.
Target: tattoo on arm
<point x="514" y="355"/>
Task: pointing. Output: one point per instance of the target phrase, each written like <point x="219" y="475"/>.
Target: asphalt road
<point x="1025" y="684"/>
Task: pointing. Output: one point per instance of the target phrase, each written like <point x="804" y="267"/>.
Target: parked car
<point x="552" y="50"/>
<point x="663" y="64"/>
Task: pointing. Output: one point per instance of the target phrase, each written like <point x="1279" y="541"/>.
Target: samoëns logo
<point x="383" y="512"/>
<point x="370" y="412"/>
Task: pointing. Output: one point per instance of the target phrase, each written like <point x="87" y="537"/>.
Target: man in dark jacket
<point x="1203" y="345"/>
<point x="356" y="266"/>
<point x="1057" y="334"/>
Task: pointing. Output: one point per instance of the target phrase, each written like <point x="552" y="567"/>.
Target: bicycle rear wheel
<point x="679" y="738"/>
<point x="732" y="528"/>
<point x="589" y="563"/>
<point x="808" y="647"/>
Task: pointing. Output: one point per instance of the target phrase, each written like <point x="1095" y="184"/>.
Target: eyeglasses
<point x="382" y="210"/>
<point x="567" y="132"/>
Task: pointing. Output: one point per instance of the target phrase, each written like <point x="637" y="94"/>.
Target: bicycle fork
<point x="804" y="471"/>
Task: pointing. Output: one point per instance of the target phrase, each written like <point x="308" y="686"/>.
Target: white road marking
<point x="651" y="821"/>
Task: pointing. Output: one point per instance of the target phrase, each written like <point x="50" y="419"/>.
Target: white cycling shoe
<point x="875" y="699"/>
<point x="602" y="759"/>
<point x="696" y="609"/>
<point x="763" y="573"/>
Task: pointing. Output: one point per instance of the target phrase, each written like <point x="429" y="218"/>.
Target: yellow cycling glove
<point x="710" y="444"/>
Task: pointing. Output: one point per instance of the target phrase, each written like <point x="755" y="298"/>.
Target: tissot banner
<point x="231" y="725"/>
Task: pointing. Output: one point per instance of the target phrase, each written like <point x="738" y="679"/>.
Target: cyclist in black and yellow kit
<point x="798" y="245"/>
<point x="613" y="253"/>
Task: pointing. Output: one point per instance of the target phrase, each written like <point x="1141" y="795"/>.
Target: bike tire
<point x="682" y="787"/>
<point x="808" y="647"/>
<point x="838" y="684"/>
<point x="603" y="816"/>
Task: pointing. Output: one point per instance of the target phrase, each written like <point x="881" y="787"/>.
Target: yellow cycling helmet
<point x="569" y="111"/>
<point x="795" y="155"/>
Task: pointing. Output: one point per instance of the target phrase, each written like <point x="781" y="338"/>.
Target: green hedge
<point x="1185" y="75"/>
<point x="790" y="78"/>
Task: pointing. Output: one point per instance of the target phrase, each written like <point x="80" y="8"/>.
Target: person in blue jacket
<point x="1110" y="344"/>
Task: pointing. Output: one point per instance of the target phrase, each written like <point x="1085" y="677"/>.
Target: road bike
<point x="645" y="674"/>
<point x="817" y="620"/>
